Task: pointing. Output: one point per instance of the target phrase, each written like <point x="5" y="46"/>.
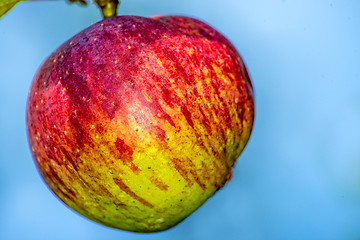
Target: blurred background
<point x="299" y="176"/>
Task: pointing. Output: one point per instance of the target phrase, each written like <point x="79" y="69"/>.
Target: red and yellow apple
<point x="135" y="122"/>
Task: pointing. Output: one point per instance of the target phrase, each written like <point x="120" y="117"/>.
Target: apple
<point x="135" y="122"/>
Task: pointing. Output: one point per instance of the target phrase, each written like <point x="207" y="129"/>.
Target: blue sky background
<point x="299" y="176"/>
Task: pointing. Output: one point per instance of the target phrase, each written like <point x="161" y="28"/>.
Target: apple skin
<point x="135" y="122"/>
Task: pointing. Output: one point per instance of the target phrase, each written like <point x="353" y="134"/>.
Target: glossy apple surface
<point x="135" y="122"/>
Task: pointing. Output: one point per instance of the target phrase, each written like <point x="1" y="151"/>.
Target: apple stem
<point x="108" y="7"/>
